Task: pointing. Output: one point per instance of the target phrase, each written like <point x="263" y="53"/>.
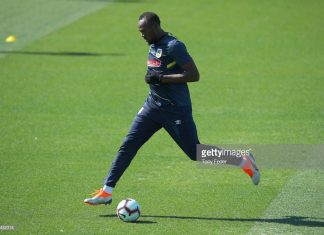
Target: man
<point x="168" y="105"/>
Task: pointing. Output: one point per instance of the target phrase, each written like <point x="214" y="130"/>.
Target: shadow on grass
<point x="136" y="222"/>
<point x="63" y="53"/>
<point x="291" y="220"/>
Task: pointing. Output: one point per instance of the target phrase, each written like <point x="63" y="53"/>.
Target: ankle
<point x="108" y="189"/>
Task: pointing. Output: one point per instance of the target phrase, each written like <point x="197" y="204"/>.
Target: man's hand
<point x="153" y="77"/>
<point x="190" y="74"/>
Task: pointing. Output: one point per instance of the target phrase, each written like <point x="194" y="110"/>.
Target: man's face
<point x="147" y="31"/>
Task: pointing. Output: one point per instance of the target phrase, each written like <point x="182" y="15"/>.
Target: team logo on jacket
<point x="158" y="53"/>
<point x="177" y="122"/>
<point x="153" y="63"/>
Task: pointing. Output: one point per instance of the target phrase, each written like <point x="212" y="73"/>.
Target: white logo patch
<point x="158" y="53"/>
<point x="177" y="122"/>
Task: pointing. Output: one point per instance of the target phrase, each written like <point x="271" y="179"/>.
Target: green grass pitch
<point x="73" y="81"/>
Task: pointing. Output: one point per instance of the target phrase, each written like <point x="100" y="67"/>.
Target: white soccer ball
<point x="128" y="210"/>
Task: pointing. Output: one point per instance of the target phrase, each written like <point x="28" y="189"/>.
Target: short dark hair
<point x="150" y="17"/>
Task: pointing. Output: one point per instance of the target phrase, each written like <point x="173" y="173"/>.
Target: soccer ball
<point x="128" y="210"/>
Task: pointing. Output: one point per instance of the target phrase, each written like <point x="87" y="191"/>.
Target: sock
<point x="243" y="161"/>
<point x="108" y="189"/>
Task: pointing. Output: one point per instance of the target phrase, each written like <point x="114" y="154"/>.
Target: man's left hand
<point x="153" y="77"/>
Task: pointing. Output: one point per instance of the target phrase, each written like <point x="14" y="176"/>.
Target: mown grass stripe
<point x="30" y="20"/>
<point x="298" y="208"/>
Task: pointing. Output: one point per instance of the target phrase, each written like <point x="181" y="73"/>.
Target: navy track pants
<point x="178" y="122"/>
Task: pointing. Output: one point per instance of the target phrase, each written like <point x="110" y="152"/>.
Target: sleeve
<point x="179" y="53"/>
